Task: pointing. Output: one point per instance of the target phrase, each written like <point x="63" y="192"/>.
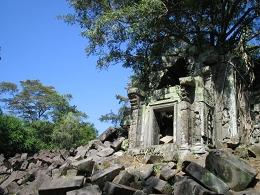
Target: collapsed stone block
<point x="85" y="165"/>
<point x="124" y="178"/>
<point x="89" y="190"/>
<point x="159" y="185"/>
<point x="112" y="188"/>
<point x="61" y="186"/>
<point x="142" y="170"/>
<point x="107" y="175"/>
<point x="105" y="152"/>
<point x="189" y="186"/>
<point x="108" y="135"/>
<point x="10" y="179"/>
<point x="205" y="177"/>
<point x="167" y="173"/>
<point x="235" y="172"/>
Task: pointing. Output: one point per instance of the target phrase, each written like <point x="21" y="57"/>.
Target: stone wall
<point x="210" y="102"/>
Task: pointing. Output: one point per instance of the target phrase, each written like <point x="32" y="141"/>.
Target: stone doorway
<point x="162" y="124"/>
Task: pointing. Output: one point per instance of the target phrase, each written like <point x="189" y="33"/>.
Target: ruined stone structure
<point x="195" y="102"/>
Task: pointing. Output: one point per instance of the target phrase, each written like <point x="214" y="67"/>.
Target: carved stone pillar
<point x="135" y="96"/>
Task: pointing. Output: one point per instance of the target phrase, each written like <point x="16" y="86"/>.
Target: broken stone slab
<point x="33" y="187"/>
<point x="111" y="188"/>
<point x="9" y="180"/>
<point x="64" y="154"/>
<point x="159" y="185"/>
<point x="166" y="139"/>
<point x="116" y="145"/>
<point x="247" y="192"/>
<point x="109" y="174"/>
<point x="167" y="173"/>
<point x="139" y="192"/>
<point x="105" y="152"/>
<point x="205" y="177"/>
<point x="61" y="185"/>
<point x="254" y="151"/>
<point x="235" y="172"/>
<point x="124" y="178"/>
<point x="151" y="159"/>
<point x="188" y="186"/>
<point x="108" y="135"/>
<point x="85" y="165"/>
<point x="89" y="190"/>
<point x="141" y="170"/>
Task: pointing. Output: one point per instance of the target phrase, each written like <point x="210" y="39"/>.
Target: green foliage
<point x="12" y="135"/>
<point x="45" y="120"/>
<point x="139" y="32"/>
<point x="72" y="131"/>
<point x="116" y="118"/>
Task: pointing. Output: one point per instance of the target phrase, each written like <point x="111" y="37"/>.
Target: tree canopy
<point x="39" y="118"/>
<point x="139" y="32"/>
<point x="35" y="101"/>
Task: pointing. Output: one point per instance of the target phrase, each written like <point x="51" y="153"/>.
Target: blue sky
<point x="36" y="45"/>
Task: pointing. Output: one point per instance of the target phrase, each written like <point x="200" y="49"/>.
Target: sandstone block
<point x="141" y="170"/>
<point x="159" y="185"/>
<point x="108" y="135"/>
<point x="235" y="172"/>
<point x="85" y="165"/>
<point x="89" y="190"/>
<point x="109" y="174"/>
<point x="112" y="188"/>
<point x="61" y="186"/>
<point x="189" y="186"/>
<point x="124" y="178"/>
<point x="205" y="177"/>
<point x="105" y="152"/>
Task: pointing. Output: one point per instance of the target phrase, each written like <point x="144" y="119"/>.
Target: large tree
<point x="139" y="32"/>
<point x="35" y="101"/>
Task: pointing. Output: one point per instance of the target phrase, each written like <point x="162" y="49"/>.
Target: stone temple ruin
<point x="195" y="104"/>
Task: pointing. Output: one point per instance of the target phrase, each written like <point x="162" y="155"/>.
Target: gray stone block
<point x="109" y="174"/>
<point x="205" y="177"/>
<point x="89" y="190"/>
<point x="112" y="188"/>
<point x="85" y="165"/>
<point x="188" y="186"/>
<point x="108" y="135"/>
<point x="159" y="185"/>
<point x="105" y="152"/>
<point x="124" y="178"/>
<point x="141" y="170"/>
<point x="235" y="172"/>
<point x="61" y="186"/>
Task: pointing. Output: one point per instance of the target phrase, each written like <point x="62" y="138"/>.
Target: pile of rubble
<point x="105" y="167"/>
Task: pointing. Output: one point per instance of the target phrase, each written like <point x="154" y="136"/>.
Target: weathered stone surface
<point x="85" y="165"/>
<point x="112" y="188"/>
<point x="89" y="190"/>
<point x="10" y="179"/>
<point x="33" y="187"/>
<point x="139" y="192"/>
<point x="108" y="135"/>
<point x="61" y="186"/>
<point x="116" y="145"/>
<point x="247" y="192"/>
<point x="236" y="173"/>
<point x="190" y="187"/>
<point x="151" y="159"/>
<point x="124" y="178"/>
<point x="166" y="139"/>
<point x="205" y="177"/>
<point x="109" y="174"/>
<point x="105" y="152"/>
<point x="168" y="173"/>
<point x="159" y="185"/>
<point x="254" y="151"/>
<point x="142" y="170"/>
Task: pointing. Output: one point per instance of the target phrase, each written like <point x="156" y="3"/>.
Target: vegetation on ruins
<point x="137" y="33"/>
<point x="39" y="118"/>
<point x="123" y="111"/>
